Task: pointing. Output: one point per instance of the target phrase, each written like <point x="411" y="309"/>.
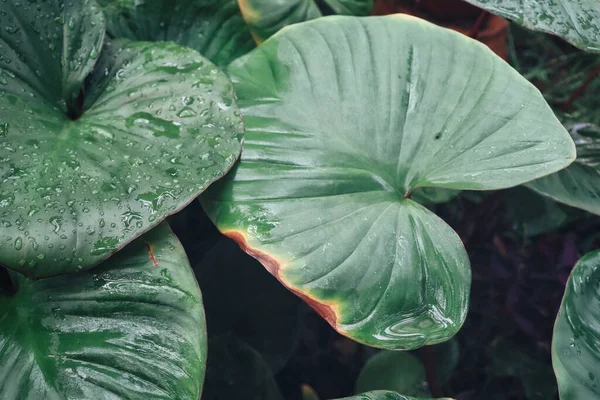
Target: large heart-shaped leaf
<point x="579" y="184"/>
<point x="153" y="126"/>
<point x="345" y="117"/>
<point x="576" y="21"/>
<point x="215" y="28"/>
<point x="576" y="341"/>
<point x="393" y="370"/>
<point x="265" y="17"/>
<point x="384" y="395"/>
<point x="133" y="328"/>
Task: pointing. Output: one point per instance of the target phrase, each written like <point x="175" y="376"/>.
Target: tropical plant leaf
<point x="46" y="51"/>
<point x="576" y="340"/>
<point x="576" y="21"/>
<point x="532" y="214"/>
<point x="266" y="17"/>
<point x="133" y="328"/>
<point x="337" y="142"/>
<point x="235" y="370"/>
<point x="579" y="184"/>
<point x="214" y="28"/>
<point x="393" y="370"/>
<point x="384" y="395"/>
<point x="154" y="125"/>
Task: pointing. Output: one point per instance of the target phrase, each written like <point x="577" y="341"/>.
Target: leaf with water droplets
<point x="40" y="56"/>
<point x="216" y="29"/>
<point x="127" y="160"/>
<point x="576" y="21"/>
<point x="266" y="17"/>
<point x="576" y="340"/>
<point x="579" y="184"/>
<point x="133" y="328"/>
<point x="352" y="136"/>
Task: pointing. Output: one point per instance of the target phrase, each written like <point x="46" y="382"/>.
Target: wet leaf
<point x="216" y="29"/>
<point x="159" y="123"/>
<point x="337" y="141"/>
<point x="576" y="340"/>
<point x="576" y="21"/>
<point x="133" y="328"/>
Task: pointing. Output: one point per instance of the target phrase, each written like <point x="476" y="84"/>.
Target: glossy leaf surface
<point x="46" y="51"/>
<point x="216" y="29"/>
<point x="133" y="328"/>
<point x="159" y="124"/>
<point x="579" y="184"/>
<point x="576" y="21"/>
<point x="266" y="17"/>
<point x="576" y="340"/>
<point x="393" y="370"/>
<point x="345" y="117"/>
<point x="383" y="395"/>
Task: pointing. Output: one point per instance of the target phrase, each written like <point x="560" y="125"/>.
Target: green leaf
<point x="133" y="328"/>
<point x="49" y="48"/>
<point x="237" y="371"/>
<point x="337" y="141"/>
<point x="384" y="395"/>
<point x="396" y="371"/>
<point x="579" y="184"/>
<point x="262" y="314"/>
<point x="532" y="214"/>
<point x="266" y="17"/>
<point x="214" y="28"/>
<point x="576" y="340"/>
<point x="576" y="21"/>
<point x="159" y="124"/>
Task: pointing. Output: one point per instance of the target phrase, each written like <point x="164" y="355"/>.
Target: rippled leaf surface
<point x="213" y="27"/>
<point x="579" y="184"/>
<point x="345" y="117"/>
<point x="266" y="17"/>
<point x="49" y="47"/>
<point x="576" y="340"/>
<point x="383" y="395"/>
<point x="133" y="328"/>
<point x="576" y="21"/>
<point x="393" y="370"/>
<point x="159" y="124"/>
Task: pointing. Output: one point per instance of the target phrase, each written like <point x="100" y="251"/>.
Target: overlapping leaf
<point x="133" y="328"/>
<point x="574" y="20"/>
<point x="579" y="184"/>
<point x="576" y="341"/>
<point x="213" y="27"/>
<point x="89" y="166"/>
<point x="347" y="116"/>
<point x="266" y="17"/>
<point x="393" y="370"/>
